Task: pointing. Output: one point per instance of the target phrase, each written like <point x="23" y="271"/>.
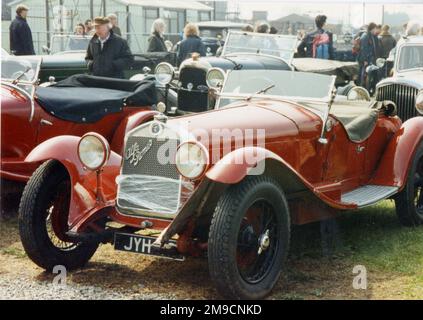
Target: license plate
<point x="144" y="245"/>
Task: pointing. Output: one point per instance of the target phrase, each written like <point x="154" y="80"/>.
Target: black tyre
<point x="249" y="238"/>
<point x="409" y="202"/>
<point x="43" y="216"/>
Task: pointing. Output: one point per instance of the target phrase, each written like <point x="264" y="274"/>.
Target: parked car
<point x="213" y="33"/>
<point x="31" y="114"/>
<point x="241" y="51"/>
<point x="246" y="51"/>
<point x="405" y="87"/>
<point x="66" y="57"/>
<point x="279" y="149"/>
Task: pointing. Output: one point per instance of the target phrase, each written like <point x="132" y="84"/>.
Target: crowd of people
<point x="108" y="53"/>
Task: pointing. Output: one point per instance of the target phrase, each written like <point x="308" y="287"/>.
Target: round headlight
<point x="191" y="160"/>
<point x="93" y="151"/>
<point x="215" y="77"/>
<point x="358" y="93"/>
<point x="164" y="73"/>
<point x="419" y="103"/>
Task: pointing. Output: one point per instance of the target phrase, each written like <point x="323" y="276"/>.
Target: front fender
<point x="234" y="166"/>
<point x="128" y="124"/>
<point x="396" y="160"/>
<point x="84" y="202"/>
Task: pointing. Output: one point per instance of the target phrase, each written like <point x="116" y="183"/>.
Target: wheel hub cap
<point x="264" y="242"/>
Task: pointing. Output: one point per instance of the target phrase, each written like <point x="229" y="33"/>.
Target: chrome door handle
<point x="46" y="122"/>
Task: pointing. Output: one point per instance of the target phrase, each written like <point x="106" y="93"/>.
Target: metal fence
<point x="138" y="42"/>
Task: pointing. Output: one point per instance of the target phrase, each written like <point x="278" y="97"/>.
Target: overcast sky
<point x="336" y="10"/>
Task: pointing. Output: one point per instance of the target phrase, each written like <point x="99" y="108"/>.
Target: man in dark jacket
<point x="20" y="33"/>
<point x="107" y="54"/>
<point x="368" y="51"/>
<point x="387" y="41"/>
<point x="319" y="43"/>
<point x="192" y="43"/>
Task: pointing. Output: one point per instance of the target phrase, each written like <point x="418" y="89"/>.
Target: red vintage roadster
<point x="31" y="114"/>
<point x="279" y="149"/>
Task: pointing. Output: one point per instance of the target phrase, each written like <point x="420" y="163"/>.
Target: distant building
<point x="6" y="10"/>
<point x="260" y="15"/>
<point x="293" y="23"/>
<point x="220" y="9"/>
<point x="135" y="17"/>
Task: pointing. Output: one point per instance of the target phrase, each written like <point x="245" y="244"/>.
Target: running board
<point x="368" y="195"/>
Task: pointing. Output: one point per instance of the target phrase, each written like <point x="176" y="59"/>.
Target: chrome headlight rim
<point x="166" y="67"/>
<point x="104" y="152"/>
<point x="204" y="162"/>
<point x="209" y="79"/>
<point x="419" y="102"/>
<point x="358" y="91"/>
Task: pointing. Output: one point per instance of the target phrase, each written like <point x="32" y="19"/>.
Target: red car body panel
<point x="399" y="154"/>
<point x="325" y="170"/>
<point x="19" y="135"/>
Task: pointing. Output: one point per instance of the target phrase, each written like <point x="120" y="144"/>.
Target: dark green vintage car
<point x="66" y="57"/>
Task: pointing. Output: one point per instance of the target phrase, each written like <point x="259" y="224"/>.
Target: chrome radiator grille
<point x="404" y="96"/>
<point x="149" y="184"/>
<point x="149" y="164"/>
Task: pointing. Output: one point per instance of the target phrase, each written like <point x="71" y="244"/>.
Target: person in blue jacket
<point x="319" y="43"/>
<point x="192" y="43"/>
<point x="20" y="33"/>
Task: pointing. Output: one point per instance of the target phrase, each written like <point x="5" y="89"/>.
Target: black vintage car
<point x="242" y="50"/>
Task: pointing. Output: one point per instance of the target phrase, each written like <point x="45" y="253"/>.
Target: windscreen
<point x="282" y="46"/>
<point x="288" y="84"/>
<point x="23" y="68"/>
<point x="63" y="43"/>
<point x="411" y="57"/>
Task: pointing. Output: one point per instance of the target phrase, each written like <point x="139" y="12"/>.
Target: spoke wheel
<point x="249" y="238"/>
<point x="43" y="220"/>
<point x="257" y="242"/>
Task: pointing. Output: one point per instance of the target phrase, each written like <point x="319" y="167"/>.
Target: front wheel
<point x="43" y="220"/>
<point x="409" y="202"/>
<point x="249" y="238"/>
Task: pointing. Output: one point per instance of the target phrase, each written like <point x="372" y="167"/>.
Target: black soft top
<point x="87" y="99"/>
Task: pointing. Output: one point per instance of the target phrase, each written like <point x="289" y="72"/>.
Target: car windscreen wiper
<point x="15" y="81"/>
<point x="264" y="90"/>
<point x="237" y="66"/>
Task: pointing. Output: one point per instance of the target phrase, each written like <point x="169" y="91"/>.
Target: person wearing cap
<point x="20" y="33"/>
<point x="113" y="20"/>
<point x="108" y="55"/>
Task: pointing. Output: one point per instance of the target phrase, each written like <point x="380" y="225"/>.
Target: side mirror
<point x="46" y="49"/>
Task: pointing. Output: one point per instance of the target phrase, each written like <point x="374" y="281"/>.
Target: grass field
<point x="373" y="238"/>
